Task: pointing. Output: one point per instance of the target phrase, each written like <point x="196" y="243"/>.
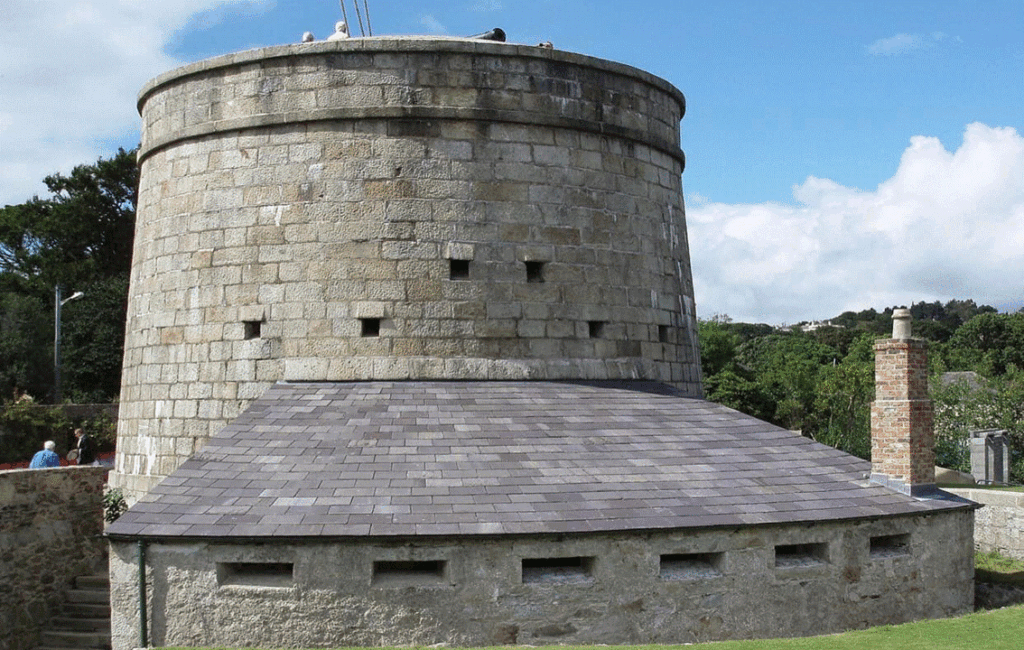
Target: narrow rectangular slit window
<point x="534" y="271"/>
<point x="370" y="326"/>
<point x="596" y="328"/>
<point x="690" y="566"/>
<point x="663" y="333"/>
<point x="890" y="546"/>
<point x="797" y="555"/>
<point x="558" y="570"/>
<point x="253" y="328"/>
<point x="255" y="574"/>
<point x="409" y="573"/>
<point x="458" y="269"/>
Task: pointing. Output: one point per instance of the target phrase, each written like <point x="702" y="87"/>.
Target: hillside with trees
<point x="819" y="378"/>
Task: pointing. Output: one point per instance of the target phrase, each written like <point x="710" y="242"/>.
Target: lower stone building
<point x="475" y="513"/>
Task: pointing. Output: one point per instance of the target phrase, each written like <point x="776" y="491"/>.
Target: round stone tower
<point x="398" y="208"/>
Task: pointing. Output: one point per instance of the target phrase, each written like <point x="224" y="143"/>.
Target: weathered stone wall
<point x="398" y="209"/>
<point x="50" y="526"/>
<point x="999" y="525"/>
<point x="659" y="587"/>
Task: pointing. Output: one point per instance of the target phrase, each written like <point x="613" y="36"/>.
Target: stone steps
<point x="84" y="620"/>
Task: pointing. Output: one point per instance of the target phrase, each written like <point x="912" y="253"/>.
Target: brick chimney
<point x="902" y="435"/>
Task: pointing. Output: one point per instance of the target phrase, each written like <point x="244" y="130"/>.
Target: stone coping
<point x="405" y="44"/>
<point x="990" y="497"/>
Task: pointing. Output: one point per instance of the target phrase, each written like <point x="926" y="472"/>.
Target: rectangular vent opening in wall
<point x="370" y="327"/>
<point x="797" y="555"/>
<point x="690" y="566"/>
<point x="408" y="573"/>
<point x="890" y="546"/>
<point x="534" y="271"/>
<point x="253" y="329"/>
<point x="595" y="328"/>
<point x="458" y="269"/>
<point x="255" y="574"/>
<point x="558" y="570"/>
<point x="663" y="334"/>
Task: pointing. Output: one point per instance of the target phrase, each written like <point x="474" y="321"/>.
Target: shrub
<point x="114" y="504"/>
<point x="25" y="426"/>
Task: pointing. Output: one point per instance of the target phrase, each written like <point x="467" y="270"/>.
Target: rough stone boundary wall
<point x="50" y="526"/>
<point x="999" y="526"/>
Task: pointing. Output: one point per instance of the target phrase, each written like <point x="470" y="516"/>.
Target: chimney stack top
<point x="901" y="323"/>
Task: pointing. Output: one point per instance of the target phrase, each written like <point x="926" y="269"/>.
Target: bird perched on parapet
<point x="547" y="45"/>
<point x="340" y="31"/>
<point x="307" y="37"/>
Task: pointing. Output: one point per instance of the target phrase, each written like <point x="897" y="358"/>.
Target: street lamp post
<point x="57" y="304"/>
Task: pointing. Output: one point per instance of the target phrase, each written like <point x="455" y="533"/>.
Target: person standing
<point x="86" y="453"/>
<point x="45" y="457"/>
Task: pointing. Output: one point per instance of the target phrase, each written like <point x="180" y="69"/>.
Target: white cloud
<point x="897" y="44"/>
<point x="69" y="75"/>
<point x="487" y="5"/>
<point x="433" y="25"/>
<point x="946" y="225"/>
<point x="903" y="43"/>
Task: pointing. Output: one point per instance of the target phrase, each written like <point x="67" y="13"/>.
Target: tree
<point x="26" y="336"/>
<point x="843" y="398"/>
<point x="787" y="367"/>
<point x="81" y="239"/>
<point x="717" y="347"/>
<point x="81" y="234"/>
<point x="989" y="343"/>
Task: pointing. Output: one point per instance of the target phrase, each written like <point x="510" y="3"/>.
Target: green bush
<point x="114" y="504"/>
<point x="25" y="426"/>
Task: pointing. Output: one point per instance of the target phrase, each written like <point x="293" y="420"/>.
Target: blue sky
<point x="840" y="155"/>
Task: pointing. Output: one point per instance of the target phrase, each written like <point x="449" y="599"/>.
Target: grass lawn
<point x="992" y="567"/>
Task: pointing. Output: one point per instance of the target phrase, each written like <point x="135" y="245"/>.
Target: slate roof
<point x="485" y="458"/>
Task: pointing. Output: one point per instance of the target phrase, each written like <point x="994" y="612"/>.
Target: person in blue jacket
<point x="45" y="457"/>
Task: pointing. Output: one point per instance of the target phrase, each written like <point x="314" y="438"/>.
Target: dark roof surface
<point x="481" y="458"/>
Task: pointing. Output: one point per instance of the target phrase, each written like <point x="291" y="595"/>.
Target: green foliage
<point x="961" y="406"/>
<point x="989" y="343"/>
<point x="736" y="391"/>
<point x="843" y="399"/>
<point x="822" y="382"/>
<point x="82" y="233"/>
<point x="717" y="347"/>
<point x="80" y="238"/>
<point x="102" y="429"/>
<point x="93" y="342"/>
<point x="114" y="504"/>
<point x="25" y="426"/>
<point x="26" y="340"/>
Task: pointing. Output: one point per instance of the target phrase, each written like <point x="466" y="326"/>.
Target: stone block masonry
<point x="398" y="209"/>
<point x="999" y="525"/>
<point x="51" y="521"/>
<point x="669" y="587"/>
